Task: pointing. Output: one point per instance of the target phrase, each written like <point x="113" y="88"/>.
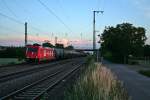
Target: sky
<point x="68" y="20"/>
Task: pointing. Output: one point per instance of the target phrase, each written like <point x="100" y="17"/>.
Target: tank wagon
<point x="36" y="53"/>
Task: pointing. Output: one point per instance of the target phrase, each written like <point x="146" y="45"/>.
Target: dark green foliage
<point x="145" y="72"/>
<point x="36" y="44"/>
<point x="121" y="41"/>
<point x="59" y="45"/>
<point x="46" y="44"/>
<point x="147" y="50"/>
<point x="13" y="52"/>
<point x="132" y="62"/>
<point x="70" y="47"/>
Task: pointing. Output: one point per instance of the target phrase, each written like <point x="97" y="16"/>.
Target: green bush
<point x="13" y="52"/>
<point x="145" y="72"/>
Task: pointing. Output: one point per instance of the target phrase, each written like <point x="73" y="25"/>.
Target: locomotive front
<point x="31" y="53"/>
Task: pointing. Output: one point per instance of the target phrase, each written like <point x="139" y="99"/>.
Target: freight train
<point x="36" y="53"/>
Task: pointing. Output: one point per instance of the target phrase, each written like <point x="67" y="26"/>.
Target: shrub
<point x="145" y="72"/>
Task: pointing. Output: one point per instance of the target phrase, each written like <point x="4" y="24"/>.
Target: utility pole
<point x="81" y="36"/>
<point x="25" y="33"/>
<point x="94" y="39"/>
<point x="55" y="40"/>
<point x="99" y="50"/>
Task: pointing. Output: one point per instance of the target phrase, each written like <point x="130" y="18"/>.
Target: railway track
<point x="26" y="66"/>
<point x="37" y="89"/>
<point x="14" y="83"/>
<point x="37" y="68"/>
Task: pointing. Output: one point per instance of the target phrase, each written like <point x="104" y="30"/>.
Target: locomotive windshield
<point x="32" y="49"/>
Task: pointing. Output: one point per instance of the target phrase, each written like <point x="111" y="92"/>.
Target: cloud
<point x="82" y="44"/>
<point x="19" y="41"/>
<point x="12" y="42"/>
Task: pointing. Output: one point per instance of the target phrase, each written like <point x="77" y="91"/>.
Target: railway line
<point x="37" y="68"/>
<point x="4" y="71"/>
<point x="37" y="88"/>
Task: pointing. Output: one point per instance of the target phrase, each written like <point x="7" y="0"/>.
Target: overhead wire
<point x="12" y="19"/>
<point x="62" y="8"/>
<point x="15" y="20"/>
<point x="30" y="26"/>
<point x="19" y="22"/>
<point x="11" y="11"/>
<point x="9" y="29"/>
<point x="52" y="12"/>
<point x="28" y="11"/>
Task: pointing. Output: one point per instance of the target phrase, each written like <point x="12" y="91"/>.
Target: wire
<point x="10" y="18"/>
<point x="62" y="8"/>
<point x="51" y="12"/>
<point x="100" y="4"/>
<point x="19" y="22"/>
<point x="29" y="16"/>
<point x="9" y="29"/>
<point x="4" y="2"/>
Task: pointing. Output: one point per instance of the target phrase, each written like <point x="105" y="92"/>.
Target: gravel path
<point x="138" y="86"/>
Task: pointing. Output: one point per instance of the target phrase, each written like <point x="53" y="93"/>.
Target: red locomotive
<point x="39" y="53"/>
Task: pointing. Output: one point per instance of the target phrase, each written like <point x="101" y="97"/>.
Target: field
<point x="9" y="61"/>
<point x="97" y="83"/>
<point x="145" y="72"/>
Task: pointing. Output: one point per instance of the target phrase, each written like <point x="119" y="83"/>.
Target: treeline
<point x="12" y="52"/>
<point x="47" y="44"/>
<point x="19" y="52"/>
<point x="146" y="51"/>
<point x="124" y="41"/>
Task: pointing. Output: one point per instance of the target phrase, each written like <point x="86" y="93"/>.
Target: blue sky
<point x="76" y="14"/>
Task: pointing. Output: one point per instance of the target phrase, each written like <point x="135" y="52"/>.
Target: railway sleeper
<point x="36" y="89"/>
<point x="39" y="91"/>
<point x="40" y="87"/>
<point x="28" y="93"/>
<point x="23" y="98"/>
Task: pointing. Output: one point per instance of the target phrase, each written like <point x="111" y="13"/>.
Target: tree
<point x="123" y="40"/>
<point x="70" y="47"/>
<point x="13" y="52"/>
<point x="147" y="50"/>
<point x="46" y="44"/>
<point x="36" y="44"/>
<point x="59" y="45"/>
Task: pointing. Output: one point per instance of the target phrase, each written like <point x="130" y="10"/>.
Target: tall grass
<point x="98" y="83"/>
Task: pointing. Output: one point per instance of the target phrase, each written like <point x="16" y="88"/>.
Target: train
<point x="37" y="53"/>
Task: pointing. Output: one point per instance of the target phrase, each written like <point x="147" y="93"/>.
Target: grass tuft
<point x="98" y="83"/>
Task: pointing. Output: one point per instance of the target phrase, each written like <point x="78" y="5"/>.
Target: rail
<point x="37" y="89"/>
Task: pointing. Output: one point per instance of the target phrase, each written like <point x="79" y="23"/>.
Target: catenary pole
<point x="94" y="39"/>
<point x="25" y="33"/>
